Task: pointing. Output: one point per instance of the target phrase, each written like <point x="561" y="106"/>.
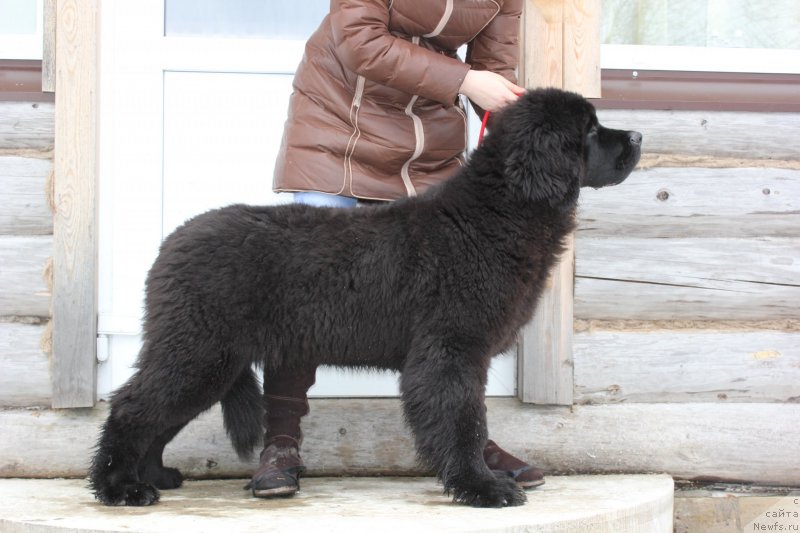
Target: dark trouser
<point x="285" y="393"/>
<point x="286" y="402"/>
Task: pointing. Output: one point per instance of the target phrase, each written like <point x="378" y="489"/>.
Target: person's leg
<point x="286" y="402"/>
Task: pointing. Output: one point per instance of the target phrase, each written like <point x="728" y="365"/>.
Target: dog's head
<point x="552" y="145"/>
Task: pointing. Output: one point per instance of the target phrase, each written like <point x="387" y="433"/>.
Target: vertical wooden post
<point x="73" y="368"/>
<point x="561" y="48"/>
<point x="49" y="47"/>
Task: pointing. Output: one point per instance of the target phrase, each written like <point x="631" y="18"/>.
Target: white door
<point x="193" y="96"/>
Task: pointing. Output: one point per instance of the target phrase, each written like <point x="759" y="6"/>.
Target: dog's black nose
<point x="635" y="137"/>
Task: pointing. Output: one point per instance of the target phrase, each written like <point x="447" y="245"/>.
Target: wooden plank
<point x="25" y="379"/>
<point x="75" y="226"/>
<point x="49" y="47"/>
<point x="26" y="126"/>
<point x="716" y="133"/>
<point x="22" y="195"/>
<point x="545" y="346"/>
<point x="561" y="48"/>
<point x="686" y="202"/>
<point x="540" y="356"/>
<point x="581" y="53"/>
<point x="687" y="366"/>
<point x="23" y="291"/>
<point x="687" y="278"/>
<point x="542" y="44"/>
<point x="737" y="441"/>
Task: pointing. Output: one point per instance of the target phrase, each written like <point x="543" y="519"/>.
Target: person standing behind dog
<point x="375" y="115"/>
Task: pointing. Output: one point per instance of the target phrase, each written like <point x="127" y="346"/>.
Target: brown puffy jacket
<point x="375" y="112"/>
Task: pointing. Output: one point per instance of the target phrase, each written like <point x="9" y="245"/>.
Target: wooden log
<point x="687" y="366"/>
<point x="23" y="291"/>
<point x="687" y="278"/>
<point x="22" y="195"/>
<point x="25" y="379"/>
<point x="75" y="194"/>
<point x="695" y="202"/>
<point x="26" y="126"/>
<point x="737" y="441"/>
<point x="716" y="133"/>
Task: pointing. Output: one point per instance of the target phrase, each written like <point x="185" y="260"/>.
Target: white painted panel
<point x="343" y="383"/>
<point x="221" y="137"/>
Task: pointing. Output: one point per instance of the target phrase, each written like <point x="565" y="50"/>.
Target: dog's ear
<point x="543" y="158"/>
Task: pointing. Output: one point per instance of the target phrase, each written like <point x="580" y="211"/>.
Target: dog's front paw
<point x="498" y="491"/>
<point x="133" y="494"/>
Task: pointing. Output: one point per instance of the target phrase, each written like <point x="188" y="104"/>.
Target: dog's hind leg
<point x="151" y="467"/>
<point x="443" y="391"/>
<point x="147" y="412"/>
<point x="129" y="431"/>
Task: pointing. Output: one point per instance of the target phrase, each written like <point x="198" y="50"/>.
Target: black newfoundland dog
<point x="432" y="286"/>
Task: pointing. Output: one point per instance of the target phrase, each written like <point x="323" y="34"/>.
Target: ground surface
<point x="595" y="504"/>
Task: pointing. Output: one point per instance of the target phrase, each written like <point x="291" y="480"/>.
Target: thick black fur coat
<point x="431" y="286"/>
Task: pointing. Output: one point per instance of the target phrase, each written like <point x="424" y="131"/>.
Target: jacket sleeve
<point x="496" y="47"/>
<point x="360" y="30"/>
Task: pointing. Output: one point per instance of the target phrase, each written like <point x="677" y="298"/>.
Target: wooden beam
<point x="581" y="51"/>
<point x="75" y="225"/>
<point x="561" y="48"/>
<point x="49" y="48"/>
<point x="757" y="442"/>
<point x="542" y="44"/>
<point x="545" y="361"/>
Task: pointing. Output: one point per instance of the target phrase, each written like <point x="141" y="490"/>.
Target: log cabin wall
<point x="688" y="283"/>
<point x="26" y="245"/>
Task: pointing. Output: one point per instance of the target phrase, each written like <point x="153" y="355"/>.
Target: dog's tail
<point x="243" y="412"/>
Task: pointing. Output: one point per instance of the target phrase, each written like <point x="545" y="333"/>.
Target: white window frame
<point x="26" y="45"/>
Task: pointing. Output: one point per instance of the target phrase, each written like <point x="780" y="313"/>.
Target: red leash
<point x="483" y="127"/>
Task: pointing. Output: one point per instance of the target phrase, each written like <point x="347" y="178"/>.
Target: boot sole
<point x="530" y="484"/>
<point x="277" y="491"/>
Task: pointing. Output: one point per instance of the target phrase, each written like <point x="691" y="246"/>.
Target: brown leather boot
<point x="527" y="476"/>
<point x="279" y="469"/>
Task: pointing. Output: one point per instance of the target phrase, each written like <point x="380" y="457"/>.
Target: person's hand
<point x="488" y="90"/>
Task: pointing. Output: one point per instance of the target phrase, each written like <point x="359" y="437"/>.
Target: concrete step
<point x="590" y="504"/>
